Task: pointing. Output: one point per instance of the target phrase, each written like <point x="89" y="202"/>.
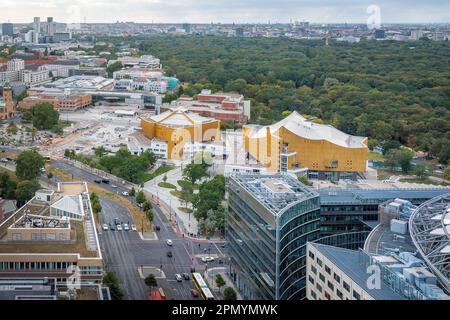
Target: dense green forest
<point x="388" y="91"/>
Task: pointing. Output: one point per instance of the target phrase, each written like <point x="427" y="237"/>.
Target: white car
<point x="133" y="227"/>
<point x="125" y="227"/>
<point x="105" y="227"/>
<point x="207" y="259"/>
<point x="119" y="227"/>
<point x="125" y="193"/>
<point x="169" y="242"/>
<point x="178" y="277"/>
<point x="113" y="186"/>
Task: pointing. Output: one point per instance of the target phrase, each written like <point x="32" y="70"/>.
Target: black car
<point x="186" y="276"/>
<point x="105" y="181"/>
<point x="157" y="228"/>
<point x="169" y="254"/>
<point x="98" y="181"/>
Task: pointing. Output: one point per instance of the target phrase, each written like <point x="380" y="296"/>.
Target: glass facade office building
<point x="270" y="220"/>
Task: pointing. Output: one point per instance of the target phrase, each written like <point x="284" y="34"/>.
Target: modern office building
<point x="52" y="237"/>
<point x="226" y="107"/>
<point x="7" y="29"/>
<point x="175" y="127"/>
<point x="295" y="143"/>
<point x="270" y="220"/>
<point x="353" y="210"/>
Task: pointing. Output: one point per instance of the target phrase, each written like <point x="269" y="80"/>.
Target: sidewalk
<point x="186" y="222"/>
<point x="210" y="277"/>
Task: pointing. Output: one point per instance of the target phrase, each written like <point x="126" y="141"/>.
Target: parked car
<point x="133" y="227"/>
<point x="169" y="242"/>
<point x="186" y="276"/>
<point x="105" y="227"/>
<point x="178" y="277"/>
<point x="125" y="193"/>
<point x="169" y="254"/>
<point x="194" y="293"/>
<point x="119" y="227"/>
<point x="126" y="227"/>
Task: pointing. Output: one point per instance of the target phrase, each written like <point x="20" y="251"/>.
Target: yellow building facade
<point x="178" y="126"/>
<point x="296" y="143"/>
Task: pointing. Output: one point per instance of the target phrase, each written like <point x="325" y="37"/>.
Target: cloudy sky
<point x="198" y="11"/>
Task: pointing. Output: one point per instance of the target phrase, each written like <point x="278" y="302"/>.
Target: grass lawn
<point x="166" y="185"/>
<point x="176" y="193"/>
<point x="187" y="183"/>
<point x="185" y="210"/>
<point x="161" y="170"/>
<point x="375" y="156"/>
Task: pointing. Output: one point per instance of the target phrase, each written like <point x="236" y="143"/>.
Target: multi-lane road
<point x="125" y="252"/>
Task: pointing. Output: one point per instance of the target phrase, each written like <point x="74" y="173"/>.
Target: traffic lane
<point x="118" y="256"/>
<point x="88" y="176"/>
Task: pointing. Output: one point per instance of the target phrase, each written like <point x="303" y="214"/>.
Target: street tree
<point x="150" y="281"/>
<point x="229" y="294"/>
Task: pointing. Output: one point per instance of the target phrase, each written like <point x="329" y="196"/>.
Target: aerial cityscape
<point x="270" y="152"/>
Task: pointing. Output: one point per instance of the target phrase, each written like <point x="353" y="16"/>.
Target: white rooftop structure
<point x="307" y="129"/>
<point x="68" y="206"/>
<point x="179" y="117"/>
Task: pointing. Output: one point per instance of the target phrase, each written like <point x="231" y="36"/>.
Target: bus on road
<point x="201" y="286"/>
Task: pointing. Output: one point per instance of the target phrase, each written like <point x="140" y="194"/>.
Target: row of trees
<point x="122" y="164"/>
<point x="95" y="203"/>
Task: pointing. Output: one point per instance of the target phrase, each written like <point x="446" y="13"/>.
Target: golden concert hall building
<point x="295" y="143"/>
<point x="175" y="127"/>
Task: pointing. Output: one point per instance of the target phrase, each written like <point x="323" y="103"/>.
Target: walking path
<point x="210" y="277"/>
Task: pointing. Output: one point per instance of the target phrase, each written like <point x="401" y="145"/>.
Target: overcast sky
<point x="239" y="11"/>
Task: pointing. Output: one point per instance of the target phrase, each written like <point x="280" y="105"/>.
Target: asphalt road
<point x="124" y="251"/>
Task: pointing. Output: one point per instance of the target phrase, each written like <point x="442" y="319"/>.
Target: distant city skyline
<point x="224" y="11"/>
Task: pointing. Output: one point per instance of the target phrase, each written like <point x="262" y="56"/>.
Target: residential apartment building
<point x="270" y="220"/>
<point x="61" y="68"/>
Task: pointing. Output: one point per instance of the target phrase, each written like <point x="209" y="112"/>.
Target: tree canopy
<point x="388" y="91"/>
<point x="28" y="165"/>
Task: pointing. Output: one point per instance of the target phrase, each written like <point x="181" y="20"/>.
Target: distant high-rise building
<point x="37" y="24"/>
<point x="50" y="26"/>
<point x="8" y="29"/>
<point x="240" y="32"/>
<point x="187" y="27"/>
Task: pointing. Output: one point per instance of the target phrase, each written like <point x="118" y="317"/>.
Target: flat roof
<point x="336" y="196"/>
<point x="348" y="262"/>
<point x="275" y="192"/>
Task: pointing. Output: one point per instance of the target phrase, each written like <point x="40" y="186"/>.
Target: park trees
<point x="44" y="116"/>
<point x="29" y="164"/>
